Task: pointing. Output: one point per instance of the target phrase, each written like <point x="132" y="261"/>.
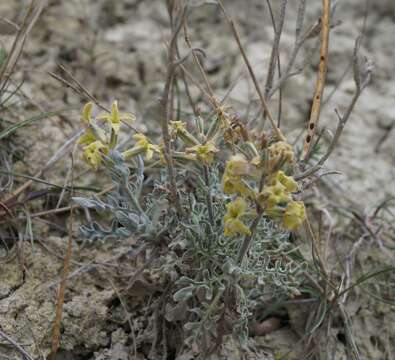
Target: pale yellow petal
<point x="87" y="112"/>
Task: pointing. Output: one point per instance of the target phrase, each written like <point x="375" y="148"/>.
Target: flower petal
<point x="87" y="113"/>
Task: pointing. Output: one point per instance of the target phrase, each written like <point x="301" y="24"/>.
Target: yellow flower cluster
<point x="97" y="141"/>
<point x="294" y="215"/>
<point x="278" y="190"/>
<point x="276" y="195"/>
<point x="241" y="178"/>
<point x="279" y="153"/>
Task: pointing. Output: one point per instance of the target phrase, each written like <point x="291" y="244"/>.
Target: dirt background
<point x="116" y="50"/>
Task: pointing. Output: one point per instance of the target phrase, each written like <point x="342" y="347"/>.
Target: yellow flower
<point x="115" y="117"/>
<point x="280" y="151"/>
<point x="87" y="138"/>
<point x="273" y="195"/>
<point x="92" y="131"/>
<point x="294" y="215"/>
<point x="143" y="142"/>
<point x="142" y="146"/>
<point x="93" y="153"/>
<point x="178" y="128"/>
<point x="287" y="181"/>
<point x="237" y="168"/>
<point x="87" y="113"/>
<point x="224" y="116"/>
<point x="204" y="152"/>
<point x="240" y="186"/>
<point x="232" y="223"/>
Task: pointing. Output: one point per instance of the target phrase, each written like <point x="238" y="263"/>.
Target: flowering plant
<point x="227" y="221"/>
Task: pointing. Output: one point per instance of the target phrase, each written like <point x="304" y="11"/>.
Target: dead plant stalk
<point x="321" y="79"/>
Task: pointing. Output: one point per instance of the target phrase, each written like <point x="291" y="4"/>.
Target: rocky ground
<point x="116" y="50"/>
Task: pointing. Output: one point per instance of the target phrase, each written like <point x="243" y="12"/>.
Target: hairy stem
<point x="247" y="240"/>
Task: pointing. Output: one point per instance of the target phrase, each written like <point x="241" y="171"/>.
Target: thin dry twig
<point x="187" y="90"/>
<point x="66" y="180"/>
<point x="349" y="66"/>
<point x="33" y="12"/>
<point x="55" y="341"/>
<point x="200" y="66"/>
<point x="278" y="28"/>
<point x="63" y="150"/>
<point x="80" y="89"/>
<point x="264" y="104"/>
<point x="316" y="249"/>
<point x="9" y="22"/>
<point x="16" y="345"/>
<point x="196" y="83"/>
<point x="59" y="210"/>
<point x="300" y="38"/>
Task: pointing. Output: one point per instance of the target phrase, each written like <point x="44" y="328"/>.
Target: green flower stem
<point x="134" y="151"/>
<point x="208" y="196"/>
<point x="247" y="240"/>
<point x="188" y="138"/>
<point x="214" y="128"/>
